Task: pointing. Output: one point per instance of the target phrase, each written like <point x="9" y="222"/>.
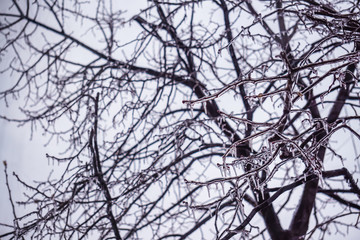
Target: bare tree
<point x="188" y="119"/>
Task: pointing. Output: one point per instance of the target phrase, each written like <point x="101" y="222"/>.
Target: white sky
<point x="27" y="157"/>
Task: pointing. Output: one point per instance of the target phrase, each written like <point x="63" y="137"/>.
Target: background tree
<point x="188" y="119"/>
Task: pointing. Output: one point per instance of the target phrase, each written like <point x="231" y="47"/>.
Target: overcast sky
<point x="27" y="157"/>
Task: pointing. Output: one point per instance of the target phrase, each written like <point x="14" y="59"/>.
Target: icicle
<point x="233" y="152"/>
<point x="305" y="176"/>
<point x="263" y="68"/>
<point x="222" y="118"/>
<point x="261" y="189"/>
<point x="292" y="149"/>
<point x="322" y="100"/>
<point x="209" y="209"/>
<point x="191" y="106"/>
<point x="222" y="186"/>
<point x="234" y="169"/>
<point x="208" y="189"/>
<point x="224" y="166"/>
<point x="187" y="207"/>
<point x="228" y="169"/>
<point x="242" y="211"/>
<point x="205" y="108"/>
<point x="254" y="181"/>
<point x="221" y="170"/>
<point x="303" y="123"/>
<point x="187" y="185"/>
<point x="193" y="213"/>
